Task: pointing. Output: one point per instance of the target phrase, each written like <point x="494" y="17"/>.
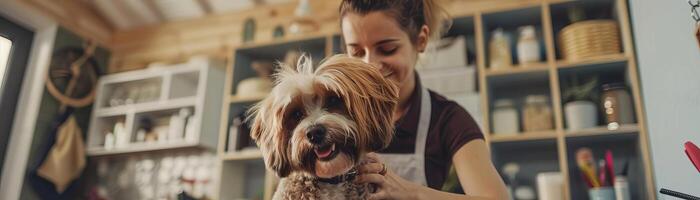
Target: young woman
<point x="432" y="133"/>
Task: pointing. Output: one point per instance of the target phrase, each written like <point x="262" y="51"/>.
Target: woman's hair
<point x="411" y="15"/>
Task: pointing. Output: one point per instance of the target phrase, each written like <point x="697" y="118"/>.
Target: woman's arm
<point x="474" y="168"/>
<point x="476" y="174"/>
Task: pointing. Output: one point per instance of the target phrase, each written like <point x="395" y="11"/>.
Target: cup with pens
<point x="600" y="176"/>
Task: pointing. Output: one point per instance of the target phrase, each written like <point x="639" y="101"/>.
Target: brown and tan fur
<point x="297" y="186"/>
<point x="348" y="99"/>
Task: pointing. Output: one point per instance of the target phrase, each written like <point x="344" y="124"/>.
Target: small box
<point x="449" y="80"/>
<point x="445" y="53"/>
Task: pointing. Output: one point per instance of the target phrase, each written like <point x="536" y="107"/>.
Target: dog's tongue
<point x="325" y="152"/>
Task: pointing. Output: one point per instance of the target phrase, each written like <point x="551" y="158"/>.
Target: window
<point x="5" y="47"/>
<point x="15" y="44"/>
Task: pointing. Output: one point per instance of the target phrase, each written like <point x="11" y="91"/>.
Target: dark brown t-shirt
<point x="450" y="128"/>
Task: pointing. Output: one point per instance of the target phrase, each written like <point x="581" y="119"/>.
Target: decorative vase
<point x="580" y="115"/>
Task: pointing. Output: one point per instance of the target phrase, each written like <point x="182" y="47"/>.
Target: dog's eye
<point x="297" y="114"/>
<point x="333" y="101"/>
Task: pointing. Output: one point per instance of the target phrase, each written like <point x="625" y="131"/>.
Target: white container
<point x="550" y="186"/>
<point x="175" y="128"/>
<point x="525" y="193"/>
<point x="528" y="46"/>
<point x="109" y="141"/>
<point x="190" y="129"/>
<point x="601" y="193"/>
<point x="580" y="115"/>
<point x="505" y="117"/>
<point x="121" y="137"/>
<point x="622" y="188"/>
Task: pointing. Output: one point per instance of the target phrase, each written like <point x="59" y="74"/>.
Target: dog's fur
<point x="347" y="101"/>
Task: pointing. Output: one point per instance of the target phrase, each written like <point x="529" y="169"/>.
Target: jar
<point x="617" y="105"/>
<point x="528" y="46"/>
<point x="505" y="117"/>
<point x="499" y="50"/>
<point x="537" y="114"/>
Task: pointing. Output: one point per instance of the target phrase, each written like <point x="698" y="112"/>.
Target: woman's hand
<point x="388" y="184"/>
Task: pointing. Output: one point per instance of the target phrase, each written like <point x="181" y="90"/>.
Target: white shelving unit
<point x="196" y="84"/>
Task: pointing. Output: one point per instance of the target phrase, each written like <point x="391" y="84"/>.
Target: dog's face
<point x="322" y="121"/>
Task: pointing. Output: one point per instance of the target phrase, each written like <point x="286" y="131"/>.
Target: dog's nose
<point x="316" y="134"/>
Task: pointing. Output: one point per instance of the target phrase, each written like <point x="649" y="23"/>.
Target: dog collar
<point x="340" y="178"/>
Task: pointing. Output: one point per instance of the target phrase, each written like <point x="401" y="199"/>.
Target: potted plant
<point x="580" y="109"/>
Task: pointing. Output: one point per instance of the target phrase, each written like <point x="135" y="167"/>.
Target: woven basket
<point x="588" y="39"/>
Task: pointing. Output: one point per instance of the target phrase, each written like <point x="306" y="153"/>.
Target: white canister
<point x="580" y="115"/>
<point x="121" y="137"/>
<point x="175" y="128"/>
<point x="109" y="141"/>
<point x="550" y="186"/>
<point x="601" y="193"/>
<point x="528" y="46"/>
<point x="622" y="188"/>
<point x="505" y="117"/>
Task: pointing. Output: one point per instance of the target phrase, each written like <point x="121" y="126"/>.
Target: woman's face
<point x="378" y="39"/>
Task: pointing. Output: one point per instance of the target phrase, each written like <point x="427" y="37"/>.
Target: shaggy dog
<point x="317" y="124"/>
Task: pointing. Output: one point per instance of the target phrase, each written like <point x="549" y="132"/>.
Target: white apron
<point x="412" y="166"/>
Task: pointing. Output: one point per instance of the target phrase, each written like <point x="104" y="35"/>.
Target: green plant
<point x="577" y="91"/>
<point x="576" y="14"/>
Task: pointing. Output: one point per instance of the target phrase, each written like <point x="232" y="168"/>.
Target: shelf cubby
<point x="625" y="147"/>
<point x="510" y="21"/>
<point x="314" y="47"/>
<point x="592" y="9"/>
<point x="613" y="71"/>
<point x="517" y="87"/>
<point x="243" y="179"/>
<point x="465" y="27"/>
<point x="532" y="156"/>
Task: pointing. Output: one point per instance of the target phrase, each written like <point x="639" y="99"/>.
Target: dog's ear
<point x="265" y="130"/>
<point x="370" y="98"/>
<point x="276" y="162"/>
<point x="383" y="112"/>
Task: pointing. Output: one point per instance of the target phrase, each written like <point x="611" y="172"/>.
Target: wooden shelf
<point x="516" y="82"/>
<point x="539" y="135"/>
<point x="245" y="99"/>
<point x="242" y="155"/>
<point x="195" y="84"/>
<point x="518" y="69"/>
<point x="627" y="128"/>
<point x="139" y="148"/>
<point x="606" y="59"/>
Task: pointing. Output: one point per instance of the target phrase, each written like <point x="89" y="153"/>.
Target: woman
<point x="432" y="132"/>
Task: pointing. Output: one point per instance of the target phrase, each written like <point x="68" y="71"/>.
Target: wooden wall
<point x="212" y="35"/>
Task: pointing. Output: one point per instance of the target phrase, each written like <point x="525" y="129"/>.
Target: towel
<point x="66" y="159"/>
